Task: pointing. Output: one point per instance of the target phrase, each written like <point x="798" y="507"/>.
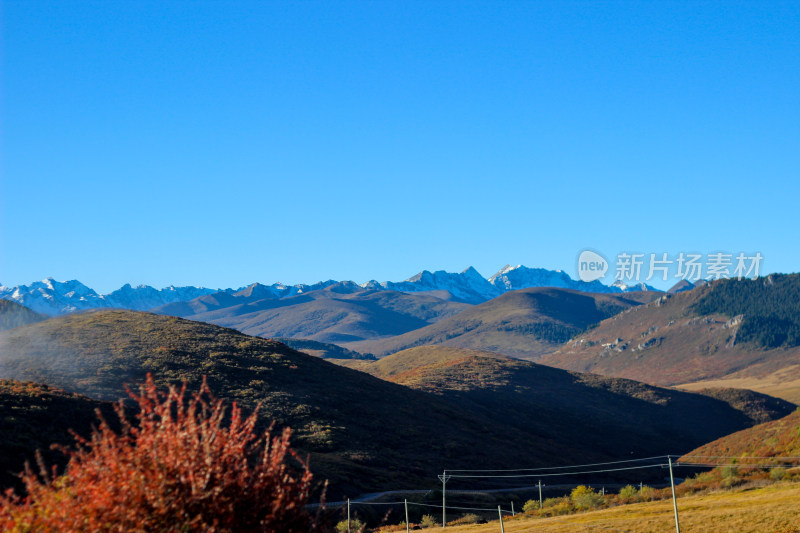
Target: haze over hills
<point x="526" y="323"/>
<point x="366" y="433"/>
<point x="52" y="297"/>
<point x="13" y="315"/>
<point x="742" y="333"/>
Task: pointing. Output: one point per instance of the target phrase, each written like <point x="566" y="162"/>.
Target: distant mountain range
<point x="53" y="297"/>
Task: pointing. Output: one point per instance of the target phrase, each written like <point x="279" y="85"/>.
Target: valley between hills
<point x="384" y="388"/>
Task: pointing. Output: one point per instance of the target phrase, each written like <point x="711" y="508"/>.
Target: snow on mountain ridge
<point x="53" y="297"/>
<point x="511" y="278"/>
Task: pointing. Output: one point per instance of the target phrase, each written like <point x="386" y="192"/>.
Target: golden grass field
<point x="770" y="509"/>
<point x="783" y="383"/>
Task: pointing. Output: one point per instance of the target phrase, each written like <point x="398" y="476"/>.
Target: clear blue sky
<point x="220" y="143"/>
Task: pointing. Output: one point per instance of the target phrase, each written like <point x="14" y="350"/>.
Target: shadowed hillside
<point x="366" y="433"/>
<point x="13" y="315"/>
<point x="527" y="323"/>
<point x="646" y="416"/>
<point x="34" y="416"/>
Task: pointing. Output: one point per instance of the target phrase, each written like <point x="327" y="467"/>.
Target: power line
<point x="570" y="473"/>
<point x="458" y="508"/>
<point x="566" y="466"/>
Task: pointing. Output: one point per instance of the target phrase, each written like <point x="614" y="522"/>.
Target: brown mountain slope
<point x="777" y="438"/>
<point x="643" y="415"/>
<point x="13" y="315"/>
<point x="365" y="433"/>
<point x="339" y="314"/>
<point x="357" y="427"/>
<point x="413" y="358"/>
<point x="695" y="338"/>
<point x="527" y="323"/>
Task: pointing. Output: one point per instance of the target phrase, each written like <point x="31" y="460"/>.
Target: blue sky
<point x="220" y="143"/>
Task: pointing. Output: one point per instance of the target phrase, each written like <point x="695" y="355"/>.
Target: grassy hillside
<point x="703" y="336"/>
<point x="356" y="425"/>
<point x="777" y="438"/>
<point x="339" y="314"/>
<point x="34" y="416"/>
<point x="366" y="433"/>
<point x="526" y="323"/>
<point x="770" y="509"/>
<point x="13" y="315"/>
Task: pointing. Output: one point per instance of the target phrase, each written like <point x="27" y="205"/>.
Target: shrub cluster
<point x="183" y="466"/>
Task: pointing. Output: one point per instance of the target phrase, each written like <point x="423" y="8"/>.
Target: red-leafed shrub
<point x="183" y="466"/>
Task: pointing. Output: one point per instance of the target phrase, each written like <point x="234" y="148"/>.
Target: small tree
<point x="356" y="526"/>
<point x="628" y="493"/>
<point x="428" y="521"/>
<point x="584" y="497"/>
<point x="530" y="506"/>
<point x="778" y="473"/>
<point x="178" y="469"/>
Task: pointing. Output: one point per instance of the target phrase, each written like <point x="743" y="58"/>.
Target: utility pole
<point x="444" y="477"/>
<point x="674" y="500"/>
<point x="406" y="504"/>
<point x="502" y="527"/>
<point x="348" y="515"/>
<point x="540" y="494"/>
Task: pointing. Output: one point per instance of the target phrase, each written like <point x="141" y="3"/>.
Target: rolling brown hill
<point x="526" y="323"/>
<point x="13" y="315"/>
<point x="342" y="313"/>
<point x="366" y="433"/>
<point x="554" y="402"/>
<point x="730" y="333"/>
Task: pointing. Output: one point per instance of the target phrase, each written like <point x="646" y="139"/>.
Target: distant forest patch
<point x="771" y="308"/>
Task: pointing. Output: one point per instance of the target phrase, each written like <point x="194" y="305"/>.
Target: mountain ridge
<point x="53" y="297"/>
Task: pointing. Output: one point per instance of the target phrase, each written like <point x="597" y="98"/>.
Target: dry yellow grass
<point x="784" y="383"/>
<point x="771" y="509"/>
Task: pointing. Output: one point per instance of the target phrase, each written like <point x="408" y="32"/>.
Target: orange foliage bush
<point x="180" y="468"/>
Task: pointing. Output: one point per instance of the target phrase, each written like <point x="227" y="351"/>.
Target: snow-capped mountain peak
<point x="53" y="297"/>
